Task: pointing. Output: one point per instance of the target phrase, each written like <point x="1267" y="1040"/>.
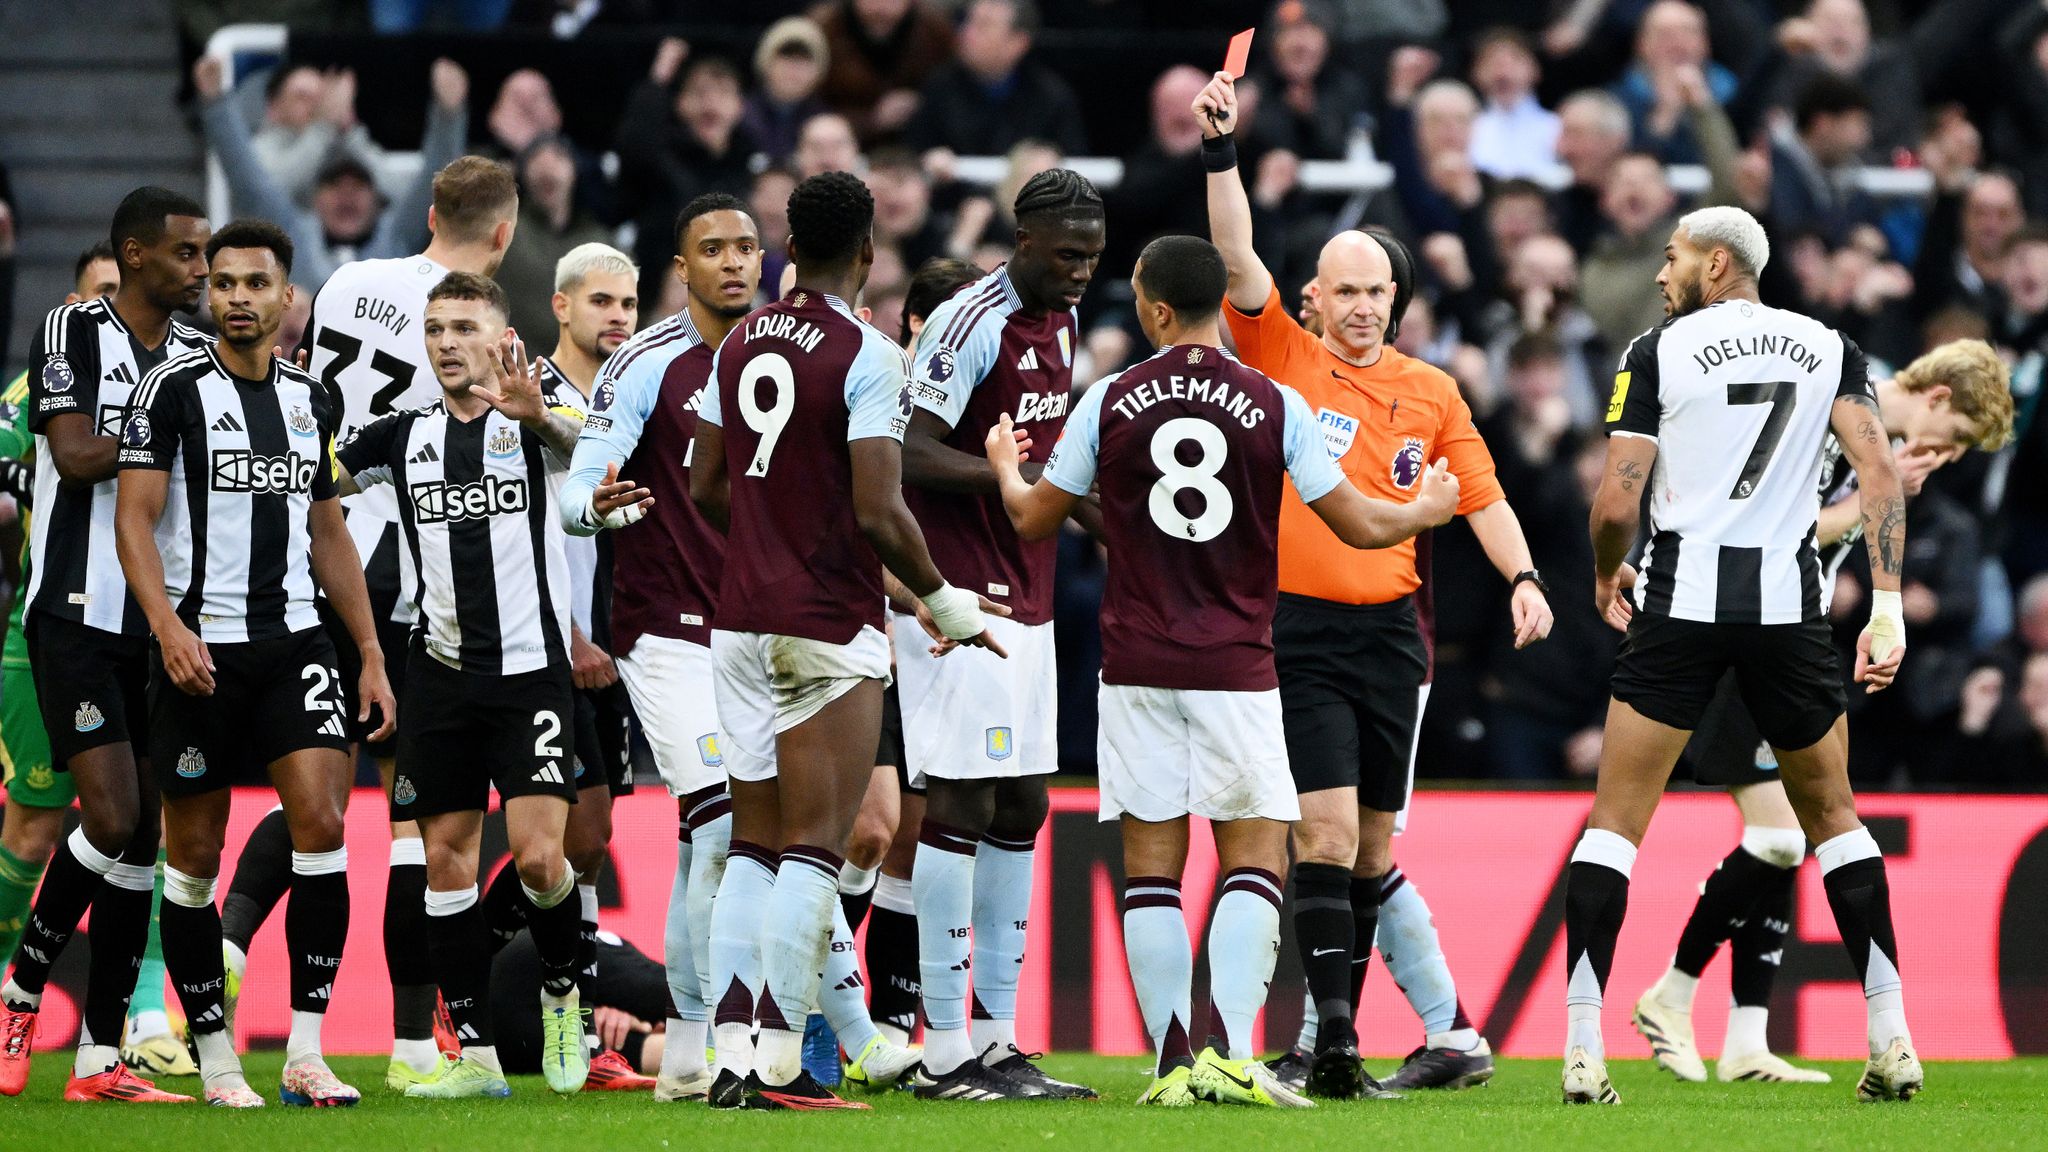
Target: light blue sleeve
<point x="711" y="410"/>
<point x="877" y="390"/>
<point x="945" y="375"/>
<point x="1309" y="463"/>
<point x="1071" y="467"/>
<point x="619" y="408"/>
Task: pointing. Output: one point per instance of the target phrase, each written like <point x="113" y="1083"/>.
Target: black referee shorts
<point x="1786" y="675"/>
<point x="604" y="734"/>
<point x="1726" y="750"/>
<point x="462" y="733"/>
<point x="393" y="638"/>
<point x="91" y="685"/>
<point x="271" y="698"/>
<point x="889" y="749"/>
<point x="1351" y="679"/>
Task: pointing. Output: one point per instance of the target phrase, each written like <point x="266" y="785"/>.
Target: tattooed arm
<point x="1617" y="511"/>
<point x="1860" y="427"/>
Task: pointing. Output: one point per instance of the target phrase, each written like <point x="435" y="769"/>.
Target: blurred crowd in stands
<point x="1539" y="154"/>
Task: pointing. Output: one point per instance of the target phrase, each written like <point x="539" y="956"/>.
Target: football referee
<point x="1352" y="658"/>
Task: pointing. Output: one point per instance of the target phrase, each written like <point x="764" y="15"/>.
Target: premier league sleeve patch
<point x="938" y="367"/>
<point x="57" y="375"/>
<point x="607" y="392"/>
<point x="136" y="432"/>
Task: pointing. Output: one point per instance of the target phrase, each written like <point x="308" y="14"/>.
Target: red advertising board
<point x="1969" y="881"/>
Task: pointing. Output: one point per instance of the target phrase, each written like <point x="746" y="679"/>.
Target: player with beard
<point x="1949" y="401"/>
<point x="808" y="484"/>
<point x="227" y="517"/>
<point x="1731" y="582"/>
<point x="980" y="732"/>
<point x="88" y="640"/>
<point x="596" y="302"/>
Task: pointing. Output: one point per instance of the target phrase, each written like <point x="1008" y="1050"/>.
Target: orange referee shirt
<point x="1384" y="424"/>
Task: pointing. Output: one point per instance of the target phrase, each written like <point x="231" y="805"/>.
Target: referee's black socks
<point x="1324" y="932"/>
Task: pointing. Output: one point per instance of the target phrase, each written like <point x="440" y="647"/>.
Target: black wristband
<point x="1530" y="576"/>
<point x="1219" y="153"/>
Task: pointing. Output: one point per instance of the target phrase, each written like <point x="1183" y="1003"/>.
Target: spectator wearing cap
<point x="1671" y="45"/>
<point x="1513" y="135"/>
<point x="993" y="95"/>
<point x="879" y="55"/>
<point x="348" y="220"/>
<point x="680" y="137"/>
<point x="789" y="66"/>
<point x="1312" y="103"/>
<point x="1814" y="168"/>
<point x="549" y="226"/>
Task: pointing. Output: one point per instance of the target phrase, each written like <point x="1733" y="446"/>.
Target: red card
<point x="1240" y="54"/>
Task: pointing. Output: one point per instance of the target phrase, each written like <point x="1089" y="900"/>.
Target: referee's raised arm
<point x="1230" y="212"/>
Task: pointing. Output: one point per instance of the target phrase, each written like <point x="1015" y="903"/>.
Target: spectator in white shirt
<point x="1513" y="135"/>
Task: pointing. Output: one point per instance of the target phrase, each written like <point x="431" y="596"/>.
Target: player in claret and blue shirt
<point x="1191" y="451"/>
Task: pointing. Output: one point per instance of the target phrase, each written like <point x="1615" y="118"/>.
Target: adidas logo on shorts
<point x="551" y="773"/>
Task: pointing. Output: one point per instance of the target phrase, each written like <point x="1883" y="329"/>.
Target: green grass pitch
<point x="1968" y="1108"/>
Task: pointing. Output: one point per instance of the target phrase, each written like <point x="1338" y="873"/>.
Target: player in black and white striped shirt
<point x="487" y="692"/>
<point x="226" y="520"/>
<point x="1949" y="401"/>
<point x="596" y="302"/>
<point x="364" y="344"/>
<point x="1723" y="410"/>
<point x="87" y="641"/>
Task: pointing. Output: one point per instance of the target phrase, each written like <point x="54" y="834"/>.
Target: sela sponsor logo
<point x="1339" y="431"/>
<point x="113" y="418"/>
<point x="57" y="375"/>
<point x="1041" y="406"/>
<point x="435" y="502"/>
<point x="191" y="763"/>
<point x="504" y="441"/>
<point x="1406" y="468"/>
<point x="240" y="470"/>
<point x="88" y="718"/>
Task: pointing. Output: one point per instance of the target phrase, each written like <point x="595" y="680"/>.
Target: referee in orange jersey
<point x="1352" y="659"/>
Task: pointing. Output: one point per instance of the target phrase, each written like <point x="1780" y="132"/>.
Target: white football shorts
<point x="670" y="682"/>
<point x="1163" y="753"/>
<point x="972" y="715"/>
<point x="768" y="683"/>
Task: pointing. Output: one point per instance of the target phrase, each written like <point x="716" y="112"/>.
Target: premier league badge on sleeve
<point x="57" y="375"/>
<point x="607" y="392"/>
<point x="135" y="433"/>
<point x="939" y="368"/>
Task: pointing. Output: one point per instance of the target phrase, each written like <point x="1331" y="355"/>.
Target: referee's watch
<point x="1529" y="576"/>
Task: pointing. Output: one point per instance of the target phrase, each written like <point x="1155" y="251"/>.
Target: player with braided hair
<point x="982" y="737"/>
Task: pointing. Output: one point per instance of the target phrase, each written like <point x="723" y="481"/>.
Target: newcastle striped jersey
<point x="85" y="361"/>
<point x="369" y="353"/>
<point x="247" y="459"/>
<point x="1738" y="397"/>
<point x="476" y="500"/>
<point x="590" y="567"/>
